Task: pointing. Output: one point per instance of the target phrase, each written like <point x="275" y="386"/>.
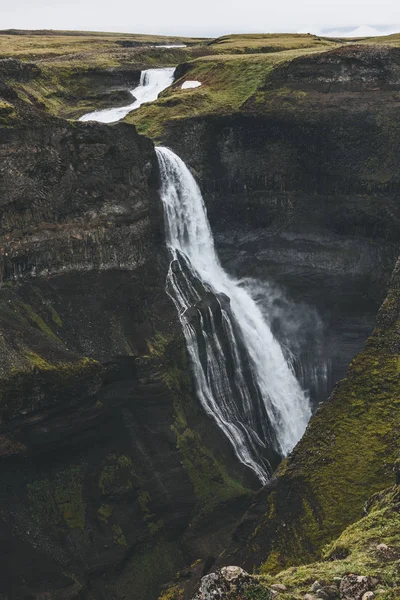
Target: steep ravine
<point x="302" y="189"/>
<point x="115" y="478"/>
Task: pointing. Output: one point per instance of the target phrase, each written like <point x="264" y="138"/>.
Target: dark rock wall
<point x="302" y="187"/>
<point x="113" y="477"/>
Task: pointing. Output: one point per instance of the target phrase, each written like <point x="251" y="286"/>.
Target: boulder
<point x="329" y="592"/>
<point x="224" y="584"/>
<point x="316" y="586"/>
<point x="354" y="587"/>
<point x="278" y="587"/>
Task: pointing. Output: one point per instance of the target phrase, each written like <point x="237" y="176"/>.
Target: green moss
<point x="117" y="476"/>
<point x="257" y="593"/>
<point x="211" y="483"/>
<point x="55" y="316"/>
<point x="146" y="570"/>
<point x="347" y="453"/>
<point x="104" y="513"/>
<point x="173" y="593"/>
<point x="38" y="361"/>
<point x="59" y="500"/>
<point x="37" y="320"/>
<point x="8" y="114"/>
<point x="119" y="537"/>
<point x="144" y="499"/>
<point x="64" y="370"/>
<point x="355" y="551"/>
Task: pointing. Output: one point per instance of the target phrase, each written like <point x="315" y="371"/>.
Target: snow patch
<point x="189" y="85"/>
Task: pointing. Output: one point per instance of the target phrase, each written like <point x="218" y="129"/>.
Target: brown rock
<point x="353" y="587"/>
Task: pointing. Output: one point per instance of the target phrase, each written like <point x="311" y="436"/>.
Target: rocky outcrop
<point x="75" y="198"/>
<point x="354" y="68"/>
<point x="69" y="90"/>
<point x="228" y="583"/>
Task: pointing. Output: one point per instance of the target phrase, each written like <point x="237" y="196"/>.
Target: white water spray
<point x="243" y="380"/>
<point x="152" y="83"/>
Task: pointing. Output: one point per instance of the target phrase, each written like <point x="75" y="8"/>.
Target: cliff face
<point x="302" y="187"/>
<point x="114" y="477"/>
<point x="111" y="472"/>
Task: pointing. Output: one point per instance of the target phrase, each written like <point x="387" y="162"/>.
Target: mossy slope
<point x="369" y="547"/>
<point x="346" y="455"/>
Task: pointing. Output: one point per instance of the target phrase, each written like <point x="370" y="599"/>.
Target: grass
<point x="355" y="551"/>
<point x="69" y="84"/>
<point x="266" y="43"/>
<point x="41" y="45"/>
<point x="387" y="40"/>
<point x="228" y="81"/>
<point x="235" y="71"/>
<point x="231" y="69"/>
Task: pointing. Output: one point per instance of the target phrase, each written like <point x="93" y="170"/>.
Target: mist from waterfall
<point x="244" y="381"/>
<point x="152" y="83"/>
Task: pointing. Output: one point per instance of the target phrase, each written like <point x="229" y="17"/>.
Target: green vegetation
<point x="212" y="483"/>
<point x="231" y="69"/>
<point x="104" y="513"/>
<point x="346" y="454"/>
<point x="68" y="86"/>
<point x="7" y="113"/>
<point x="59" y="500"/>
<point x="172" y="593"/>
<point x="267" y="43"/>
<point x="34" y="45"/>
<point x="387" y="40"/>
<point x="228" y="81"/>
<point x="119" y="537"/>
<point x="117" y="476"/>
<point x="358" y="550"/>
<point x="149" y="568"/>
<point x="36" y="320"/>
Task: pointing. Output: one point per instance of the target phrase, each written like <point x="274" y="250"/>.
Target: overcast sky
<point x="203" y="17"/>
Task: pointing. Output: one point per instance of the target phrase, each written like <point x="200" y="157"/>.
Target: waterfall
<point x="152" y="83"/>
<point x="243" y="379"/>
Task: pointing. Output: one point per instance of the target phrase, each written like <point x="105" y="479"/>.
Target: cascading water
<point x="243" y="379"/>
<point x="152" y="83"/>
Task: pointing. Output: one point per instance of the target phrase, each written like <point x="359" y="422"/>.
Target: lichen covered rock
<point x="227" y="583"/>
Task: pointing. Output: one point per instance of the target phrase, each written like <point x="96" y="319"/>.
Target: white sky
<point x="203" y="17"/>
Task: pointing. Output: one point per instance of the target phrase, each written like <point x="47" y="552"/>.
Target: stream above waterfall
<point x="152" y="83"/>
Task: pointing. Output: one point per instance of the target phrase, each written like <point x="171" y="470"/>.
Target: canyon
<point x="116" y="482"/>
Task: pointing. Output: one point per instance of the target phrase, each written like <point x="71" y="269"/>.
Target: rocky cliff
<point x="112" y="475"/>
<point x="302" y="187"/>
<point x="114" y="479"/>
